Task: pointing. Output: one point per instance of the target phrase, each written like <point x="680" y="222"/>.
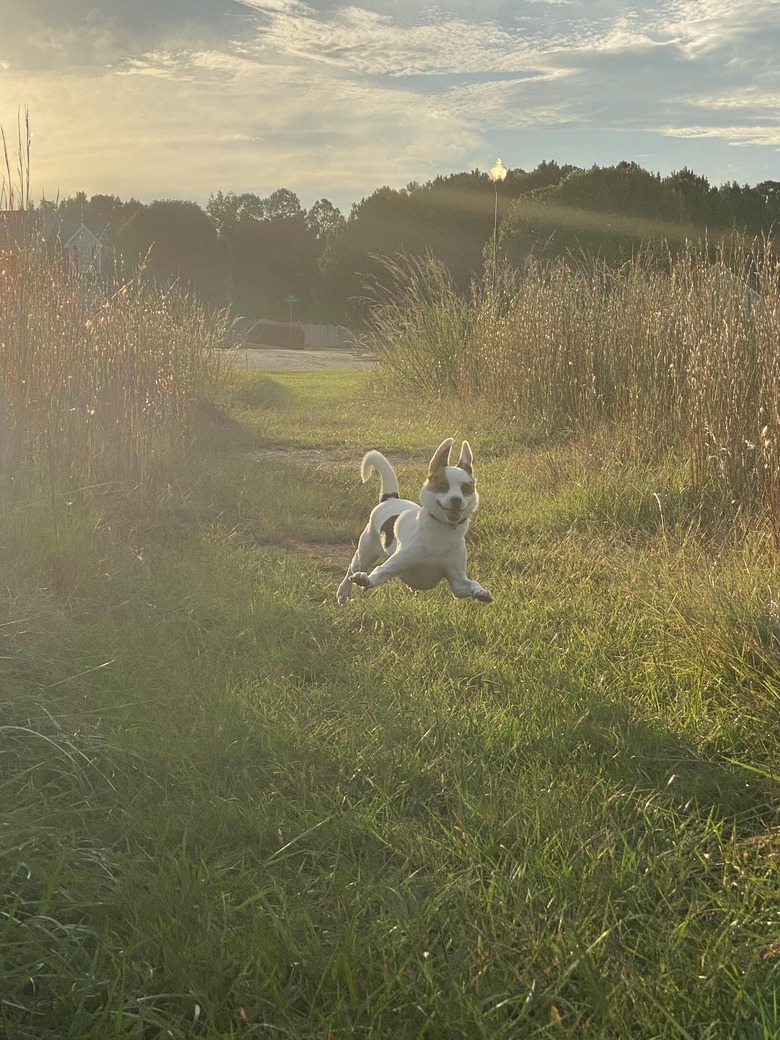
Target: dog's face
<point x="449" y="494"/>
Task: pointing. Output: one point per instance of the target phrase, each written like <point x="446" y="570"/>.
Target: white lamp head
<point x="498" y="171"/>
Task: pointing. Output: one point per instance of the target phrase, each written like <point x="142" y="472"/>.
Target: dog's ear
<point x="441" y="456"/>
<point x="466" y="458"/>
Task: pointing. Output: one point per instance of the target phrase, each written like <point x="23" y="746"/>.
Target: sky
<point x="154" y="99"/>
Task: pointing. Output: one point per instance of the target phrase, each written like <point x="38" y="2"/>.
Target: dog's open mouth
<point x="453" y="515"/>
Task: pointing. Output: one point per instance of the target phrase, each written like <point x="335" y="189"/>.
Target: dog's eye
<point x="467" y="489"/>
<point x="438" y="483"/>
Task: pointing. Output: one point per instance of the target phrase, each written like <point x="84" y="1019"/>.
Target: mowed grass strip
<point x="233" y="809"/>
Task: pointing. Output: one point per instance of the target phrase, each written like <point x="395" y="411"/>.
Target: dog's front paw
<point x="360" y="578"/>
<point x="483" y="596"/>
<point x="343" y="591"/>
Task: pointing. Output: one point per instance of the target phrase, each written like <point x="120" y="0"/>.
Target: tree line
<point x="252" y="253"/>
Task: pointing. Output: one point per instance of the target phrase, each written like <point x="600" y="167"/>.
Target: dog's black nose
<point x="456" y="503"/>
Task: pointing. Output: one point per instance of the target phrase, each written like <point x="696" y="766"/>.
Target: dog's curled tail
<point x="374" y="461"/>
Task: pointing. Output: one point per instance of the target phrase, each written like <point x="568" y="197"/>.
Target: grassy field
<point x="233" y="809"/>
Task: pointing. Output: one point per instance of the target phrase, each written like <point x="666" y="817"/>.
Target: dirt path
<point x="272" y="359"/>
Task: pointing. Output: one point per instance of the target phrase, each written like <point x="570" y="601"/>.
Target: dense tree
<point x="755" y="210"/>
<point x="697" y="200"/>
<point x="347" y="260"/>
<point x="626" y="189"/>
<point x="271" y="260"/>
<point x="254" y="252"/>
<point x="283" y="204"/>
<point x="102" y="214"/>
<point x="612" y="211"/>
<point x="450" y="218"/>
<point x="324" y="220"/>
<point x="769" y="191"/>
<point x="175" y="242"/>
<point x="271" y="247"/>
<point x="546" y="175"/>
<point x="226" y="210"/>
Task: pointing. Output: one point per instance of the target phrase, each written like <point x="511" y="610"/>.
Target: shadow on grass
<point x="258" y="391"/>
<point x="654" y="759"/>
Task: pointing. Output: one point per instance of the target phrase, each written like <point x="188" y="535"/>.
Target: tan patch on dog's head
<point x="438" y="482"/>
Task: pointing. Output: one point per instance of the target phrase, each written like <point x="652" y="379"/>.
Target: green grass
<point x="234" y="809"/>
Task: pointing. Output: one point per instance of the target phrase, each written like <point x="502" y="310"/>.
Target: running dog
<point x="420" y="544"/>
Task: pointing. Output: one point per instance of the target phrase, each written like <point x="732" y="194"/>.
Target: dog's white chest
<point x="421" y="575"/>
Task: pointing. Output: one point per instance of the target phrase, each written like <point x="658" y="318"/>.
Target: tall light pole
<point x="498" y="173"/>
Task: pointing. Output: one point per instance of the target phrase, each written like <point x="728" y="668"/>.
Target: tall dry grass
<point x="97" y="384"/>
<point x="420" y="325"/>
<point x="670" y="351"/>
<point x="15" y="185"/>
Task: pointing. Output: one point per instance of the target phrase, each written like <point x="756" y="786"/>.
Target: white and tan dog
<point x="420" y="544"/>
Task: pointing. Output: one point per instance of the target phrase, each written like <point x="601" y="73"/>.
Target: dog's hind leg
<point x="369" y="550"/>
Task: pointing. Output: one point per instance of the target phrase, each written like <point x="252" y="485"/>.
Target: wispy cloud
<point x="190" y="96"/>
<point x="366" y="42"/>
<point x="731" y="134"/>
